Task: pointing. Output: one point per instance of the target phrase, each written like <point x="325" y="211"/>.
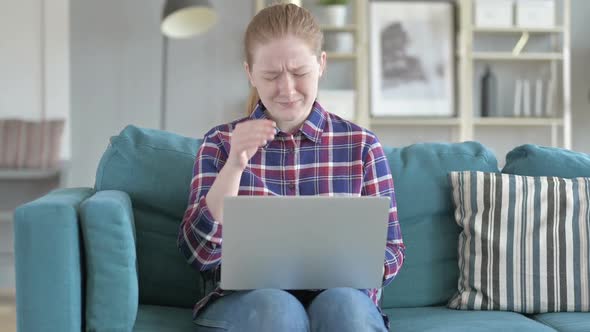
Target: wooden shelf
<point x="497" y="56"/>
<point x="517" y="121"/>
<point x="338" y="28"/>
<point x="557" y="29"/>
<point x="27" y="174"/>
<point x="417" y="121"/>
<point x="341" y="56"/>
<point x="557" y="57"/>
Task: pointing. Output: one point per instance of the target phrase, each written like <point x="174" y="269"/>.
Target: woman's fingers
<point x="257" y="138"/>
<point x="247" y="137"/>
<point x="254" y="130"/>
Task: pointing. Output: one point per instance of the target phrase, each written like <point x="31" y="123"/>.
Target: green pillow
<point x="154" y="168"/>
<point x="535" y="160"/>
<point x="108" y="232"/>
<point x="425" y="210"/>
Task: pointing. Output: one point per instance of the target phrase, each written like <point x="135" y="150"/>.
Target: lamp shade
<point x="186" y="18"/>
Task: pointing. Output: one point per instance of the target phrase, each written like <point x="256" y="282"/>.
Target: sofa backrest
<point x="155" y="168"/>
<point x="536" y="160"/>
<point x="426" y="213"/>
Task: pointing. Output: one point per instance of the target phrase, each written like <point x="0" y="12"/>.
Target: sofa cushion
<point x="425" y="210"/>
<point x="566" y="321"/>
<point x="535" y="160"/>
<point x="524" y="244"/>
<point x="152" y="318"/>
<point x="107" y="227"/>
<point x="155" y="168"/>
<point x="441" y="319"/>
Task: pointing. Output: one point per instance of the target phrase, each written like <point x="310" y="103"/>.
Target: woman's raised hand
<point x="246" y="138"/>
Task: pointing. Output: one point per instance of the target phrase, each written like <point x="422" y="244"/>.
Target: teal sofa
<point x="106" y="259"/>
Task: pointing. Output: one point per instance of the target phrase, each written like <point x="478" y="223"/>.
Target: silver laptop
<point x="303" y="242"/>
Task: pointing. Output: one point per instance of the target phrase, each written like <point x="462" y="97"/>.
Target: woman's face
<point x="286" y="72"/>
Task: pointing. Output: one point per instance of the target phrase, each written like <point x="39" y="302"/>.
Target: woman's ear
<point x="247" y="69"/>
<point x="323" y="57"/>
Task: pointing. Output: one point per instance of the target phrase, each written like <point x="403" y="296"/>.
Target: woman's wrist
<point x="232" y="169"/>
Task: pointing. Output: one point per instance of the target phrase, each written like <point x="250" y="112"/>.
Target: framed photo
<point x="412" y="63"/>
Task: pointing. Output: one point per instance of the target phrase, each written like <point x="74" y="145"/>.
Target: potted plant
<point x="333" y="12"/>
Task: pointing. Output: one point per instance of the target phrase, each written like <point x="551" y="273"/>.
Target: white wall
<point x="207" y="84"/>
<point x="116" y="74"/>
<point x="581" y="75"/>
<point x="57" y="66"/>
<point x="20" y="63"/>
<point x="34" y="61"/>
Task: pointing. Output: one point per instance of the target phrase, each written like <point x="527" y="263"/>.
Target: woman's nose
<point x="286" y="85"/>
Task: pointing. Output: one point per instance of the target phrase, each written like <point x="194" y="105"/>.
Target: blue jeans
<point x="336" y="309"/>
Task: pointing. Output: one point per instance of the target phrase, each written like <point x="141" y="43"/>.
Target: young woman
<point x="287" y="145"/>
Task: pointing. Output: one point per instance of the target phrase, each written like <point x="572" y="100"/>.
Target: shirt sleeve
<point x="199" y="235"/>
<point x="378" y="181"/>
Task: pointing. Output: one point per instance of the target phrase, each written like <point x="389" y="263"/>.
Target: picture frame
<point x="412" y="62"/>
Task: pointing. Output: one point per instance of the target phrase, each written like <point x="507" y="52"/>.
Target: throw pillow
<point x="108" y="232"/>
<point x="524" y="245"/>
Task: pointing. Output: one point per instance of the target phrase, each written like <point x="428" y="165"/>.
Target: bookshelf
<point x="467" y="122"/>
<point x="557" y="59"/>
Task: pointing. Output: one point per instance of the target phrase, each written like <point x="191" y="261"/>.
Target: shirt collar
<point x="313" y="126"/>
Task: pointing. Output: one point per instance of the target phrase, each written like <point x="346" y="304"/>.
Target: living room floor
<point x="7" y="297"/>
<point x="7" y="311"/>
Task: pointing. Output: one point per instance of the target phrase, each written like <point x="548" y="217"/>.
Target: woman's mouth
<point x="288" y="104"/>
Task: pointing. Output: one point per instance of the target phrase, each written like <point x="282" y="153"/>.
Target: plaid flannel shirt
<point x="326" y="156"/>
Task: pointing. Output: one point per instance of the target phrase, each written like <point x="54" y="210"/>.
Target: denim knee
<point x="273" y="310"/>
<point x="344" y="309"/>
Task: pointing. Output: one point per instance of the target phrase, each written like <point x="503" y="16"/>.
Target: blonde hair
<point x="276" y="21"/>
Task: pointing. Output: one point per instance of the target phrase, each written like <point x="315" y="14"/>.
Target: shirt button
<point x="291" y="186"/>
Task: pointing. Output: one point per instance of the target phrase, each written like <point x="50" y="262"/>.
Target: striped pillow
<point x="524" y="246"/>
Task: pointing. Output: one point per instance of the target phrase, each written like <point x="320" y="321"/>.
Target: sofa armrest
<point x="48" y="262"/>
<point x="108" y="230"/>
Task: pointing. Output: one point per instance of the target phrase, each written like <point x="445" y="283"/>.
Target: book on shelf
<point x="551" y="92"/>
<point x="517" y="98"/>
<point x="526" y="98"/>
<point x="539" y="98"/>
<point x="30" y="144"/>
